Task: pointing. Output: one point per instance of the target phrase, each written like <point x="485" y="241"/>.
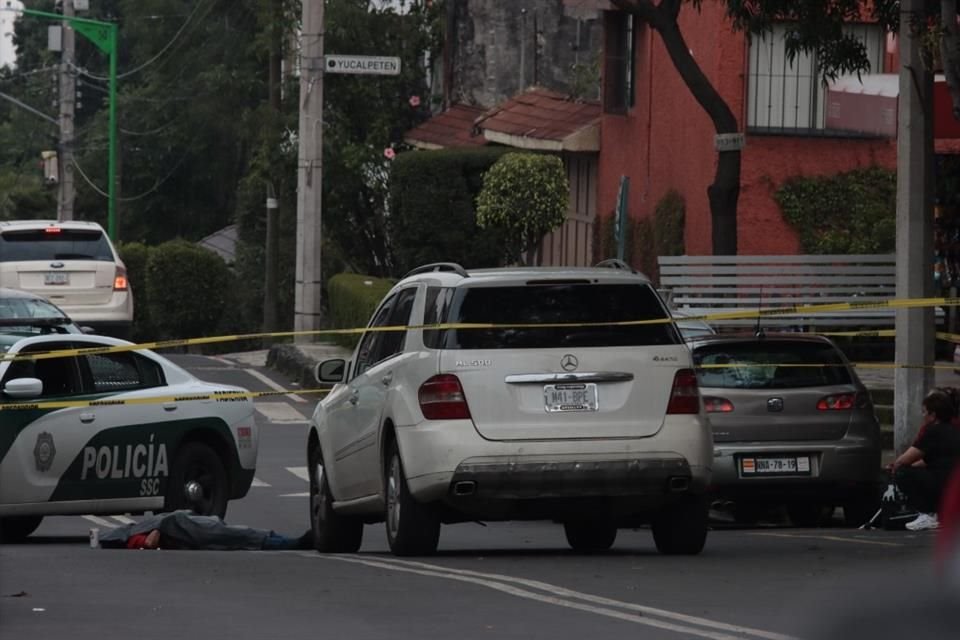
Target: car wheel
<point x="332" y="533"/>
<point x="198" y="481"/>
<point x="413" y="528"/>
<point x="806" y="514"/>
<point x="585" y="536"/>
<point x="681" y="528"/>
<point x="17" y="528"/>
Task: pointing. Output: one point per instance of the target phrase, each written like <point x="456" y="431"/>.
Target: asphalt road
<point x="504" y="580"/>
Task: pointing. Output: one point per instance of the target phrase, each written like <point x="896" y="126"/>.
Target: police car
<point x="128" y="434"/>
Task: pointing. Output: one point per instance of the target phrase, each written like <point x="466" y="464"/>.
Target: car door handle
<point x="170" y="406"/>
<point x="387" y="379"/>
<point x="87" y="418"/>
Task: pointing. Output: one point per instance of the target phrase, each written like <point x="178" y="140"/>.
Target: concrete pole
<point x="68" y="97"/>
<point x="307" y="310"/>
<point x="915" y="327"/>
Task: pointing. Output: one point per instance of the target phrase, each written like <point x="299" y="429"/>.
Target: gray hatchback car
<point x="792" y="425"/>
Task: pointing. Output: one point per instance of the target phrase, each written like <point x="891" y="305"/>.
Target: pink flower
<point x="389" y="153"/>
<point x="414" y="101"/>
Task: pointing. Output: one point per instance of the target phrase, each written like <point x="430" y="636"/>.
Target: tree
<point x="526" y="195"/>
<point x="818" y="27"/>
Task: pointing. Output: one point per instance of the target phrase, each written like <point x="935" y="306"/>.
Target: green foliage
<point x="605" y="242"/>
<point x="669" y="222"/>
<point x="135" y="257"/>
<point x="849" y="213"/>
<point x="23" y="196"/>
<point x="526" y="196"/>
<point x="188" y="290"/>
<point x="352" y="299"/>
<point x="644" y="247"/>
<point x="432" y="217"/>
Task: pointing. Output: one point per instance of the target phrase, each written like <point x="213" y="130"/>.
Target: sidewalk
<point x="298" y="361"/>
<point x="883" y="378"/>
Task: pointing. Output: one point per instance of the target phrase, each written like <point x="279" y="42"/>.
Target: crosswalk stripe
<point x="305" y="494"/>
<point x="124" y="519"/>
<point x="257" y="482"/>
<point x="300" y="472"/>
<point x="273" y="385"/>
<point x="280" y="413"/>
<point x="100" y="522"/>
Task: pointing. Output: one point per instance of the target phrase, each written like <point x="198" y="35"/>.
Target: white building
<point x="8" y="15"/>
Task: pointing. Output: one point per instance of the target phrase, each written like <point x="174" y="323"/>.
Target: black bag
<point x="894" y="511"/>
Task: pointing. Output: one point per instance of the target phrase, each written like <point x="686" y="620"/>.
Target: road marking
<point x="273" y="385"/>
<point x="124" y="520"/>
<point x="300" y="472"/>
<point x="833" y="538"/>
<point x="505" y="584"/>
<point x="280" y="413"/>
<point x="100" y="522"/>
<point x="257" y="482"/>
<point x="295" y="495"/>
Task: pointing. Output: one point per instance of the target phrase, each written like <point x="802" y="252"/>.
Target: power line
<point x="157" y="184"/>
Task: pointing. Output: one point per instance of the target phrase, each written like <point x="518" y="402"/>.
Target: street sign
<point x="729" y="141"/>
<point x="365" y="65"/>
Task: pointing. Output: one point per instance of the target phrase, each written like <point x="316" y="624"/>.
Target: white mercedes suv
<point x="562" y="394"/>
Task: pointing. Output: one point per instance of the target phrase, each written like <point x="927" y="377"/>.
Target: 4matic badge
<point x="44" y="451"/>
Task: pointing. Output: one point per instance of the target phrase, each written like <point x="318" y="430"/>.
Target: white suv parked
<point x="72" y="264"/>
<point x="501" y="414"/>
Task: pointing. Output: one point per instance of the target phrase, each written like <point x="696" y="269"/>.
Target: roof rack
<point x="615" y="263"/>
<point x="439" y="266"/>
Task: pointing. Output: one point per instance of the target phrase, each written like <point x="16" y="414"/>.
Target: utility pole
<point x="915" y="326"/>
<point x="68" y="99"/>
<point x="307" y="310"/>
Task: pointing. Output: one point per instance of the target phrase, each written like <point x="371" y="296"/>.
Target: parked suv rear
<point x="527" y="394"/>
<point x="72" y="264"/>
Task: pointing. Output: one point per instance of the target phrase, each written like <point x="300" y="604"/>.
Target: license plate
<point x="570" y="397"/>
<point x="56" y="278"/>
<point x="775" y="465"/>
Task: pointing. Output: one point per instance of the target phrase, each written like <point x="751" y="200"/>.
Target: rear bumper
<point x="840" y="469"/>
<point x="116" y="312"/>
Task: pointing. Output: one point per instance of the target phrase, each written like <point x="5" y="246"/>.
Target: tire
<point x="197" y="462"/>
<point x="17" y="528"/>
<point x="681" y="528"/>
<point x="806" y="514"/>
<point x="332" y="533"/>
<point x="413" y="528"/>
<point x="585" y="536"/>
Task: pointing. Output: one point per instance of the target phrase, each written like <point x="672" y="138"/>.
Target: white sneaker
<point x="924" y="522"/>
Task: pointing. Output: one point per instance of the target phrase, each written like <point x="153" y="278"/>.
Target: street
<point x="501" y="580"/>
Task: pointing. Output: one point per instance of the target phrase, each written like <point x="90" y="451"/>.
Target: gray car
<point x="792" y="425"/>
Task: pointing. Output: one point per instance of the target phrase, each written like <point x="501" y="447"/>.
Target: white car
<point x="72" y="264"/>
<point x="594" y="425"/>
<point x="114" y="457"/>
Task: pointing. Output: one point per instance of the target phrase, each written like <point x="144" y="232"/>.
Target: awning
<point x="452" y="128"/>
<point x="543" y="120"/>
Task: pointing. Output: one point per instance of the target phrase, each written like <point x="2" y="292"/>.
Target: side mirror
<point x="23" y="388"/>
<point x="331" y="371"/>
<point x="87" y="330"/>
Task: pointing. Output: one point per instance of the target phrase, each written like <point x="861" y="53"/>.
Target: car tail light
<point x="441" y="398"/>
<point x="717" y="405"/>
<point x="52" y="230"/>
<point x="837" y="402"/>
<point x="685" y="395"/>
<point x="120" y="280"/>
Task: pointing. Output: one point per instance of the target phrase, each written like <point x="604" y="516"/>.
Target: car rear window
<point x="66" y="244"/>
<point x="12" y="309"/>
<point x="547" y="302"/>
<point x="767" y="365"/>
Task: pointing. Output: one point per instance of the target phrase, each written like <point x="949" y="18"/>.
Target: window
<point x="376" y="346"/>
<point x="60" y="376"/>
<point x="619" y="62"/>
<point x="789" y="96"/>
<point x="112" y="372"/>
<point x="435" y="312"/>
<point x="67" y="244"/>
<point x="392" y="341"/>
<point x="549" y="302"/>
<point x="757" y="365"/>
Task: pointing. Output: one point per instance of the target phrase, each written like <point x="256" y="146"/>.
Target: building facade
<point x="8" y="16"/>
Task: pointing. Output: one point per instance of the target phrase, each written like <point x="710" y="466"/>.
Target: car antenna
<point x="759" y="330"/>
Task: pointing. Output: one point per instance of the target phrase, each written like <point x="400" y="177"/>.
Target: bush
<point x="188" y="289"/>
<point x="135" y="257"/>
<point x="432" y="209"/>
<point x="352" y="299"/>
<point x="526" y="196"/>
<point x="848" y="213"/>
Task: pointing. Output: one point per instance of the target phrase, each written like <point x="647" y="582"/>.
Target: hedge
<point x="352" y="298"/>
<point x="433" y="198"/>
<point x="135" y="257"/>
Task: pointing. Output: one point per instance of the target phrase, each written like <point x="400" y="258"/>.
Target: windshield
<point x="13" y="309"/>
<point x="770" y="364"/>
<point x="577" y="303"/>
<point x="65" y="244"/>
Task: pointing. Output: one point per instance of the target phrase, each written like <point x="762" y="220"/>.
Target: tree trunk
<point x="725" y="190"/>
<point x="950" y="51"/>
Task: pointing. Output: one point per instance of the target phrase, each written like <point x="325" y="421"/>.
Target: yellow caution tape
<point x="894" y="303"/>
<point x="219" y="396"/>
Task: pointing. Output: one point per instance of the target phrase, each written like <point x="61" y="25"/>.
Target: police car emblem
<point x="44" y="451"/>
